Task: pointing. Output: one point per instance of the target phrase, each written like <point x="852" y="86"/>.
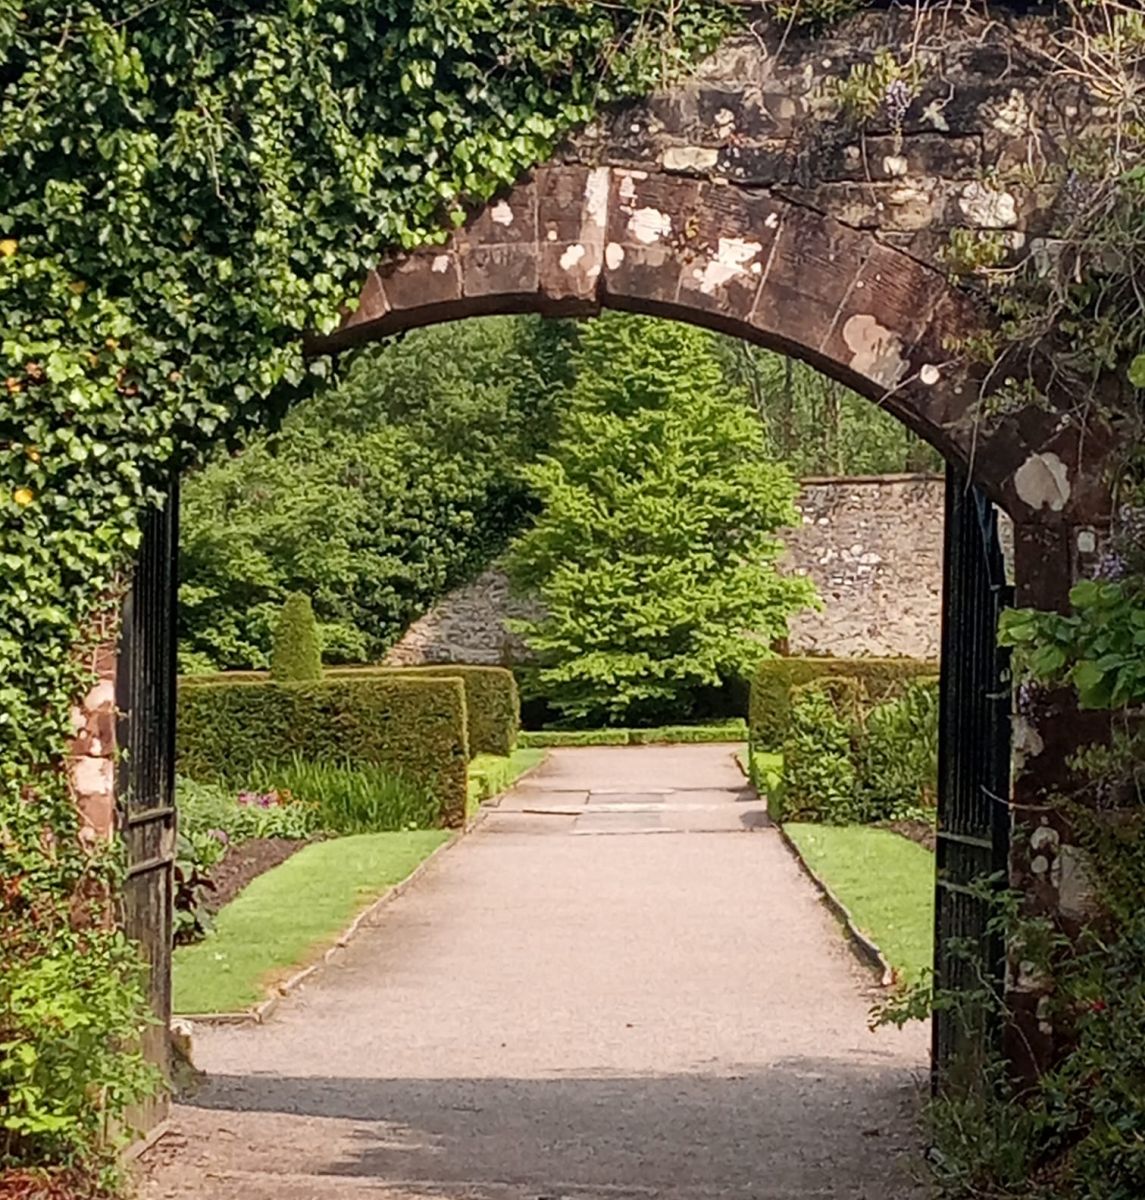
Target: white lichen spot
<point x="1039" y="864"/>
<point x="649" y="225"/>
<point x="1086" y="541"/>
<point x="502" y="214"/>
<point x="1044" y="838"/>
<point x="757" y="268"/>
<point x="614" y="255"/>
<point x="1075" y="892"/>
<point x="440" y="264"/>
<point x="986" y="208"/>
<point x="933" y="115"/>
<point x="772" y="220"/>
<point x="572" y="256"/>
<point x="930" y="374"/>
<point x="895" y="165"/>
<point x="689" y="158"/>
<point x="100" y="697"/>
<point x="628" y="187"/>
<point x="876" y="351"/>
<point x="1028" y="742"/>
<point x="596" y="196"/>
<point x="732" y="258"/>
<point x="1012" y="116"/>
<point x="552" y="235"/>
<point x="1042" y="481"/>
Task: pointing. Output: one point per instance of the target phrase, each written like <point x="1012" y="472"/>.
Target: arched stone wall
<point x="744" y="200"/>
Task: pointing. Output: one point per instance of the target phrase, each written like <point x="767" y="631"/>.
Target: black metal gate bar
<point x="145" y="696"/>
<point x="973" y="778"/>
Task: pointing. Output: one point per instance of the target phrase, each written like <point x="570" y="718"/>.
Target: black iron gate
<point x="145" y="695"/>
<point x="973" y="777"/>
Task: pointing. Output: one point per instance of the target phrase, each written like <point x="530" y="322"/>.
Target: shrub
<point x="897" y="758"/>
<point x="349" y="798"/>
<point x="416" y="727"/>
<point x="769" y="705"/>
<point x="492" y="701"/>
<point x="823" y="728"/>
<point x="71" y="1003"/>
<point x="206" y="808"/>
<point x="296" y="656"/>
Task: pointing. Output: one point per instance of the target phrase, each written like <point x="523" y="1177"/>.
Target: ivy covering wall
<point x="184" y="189"/>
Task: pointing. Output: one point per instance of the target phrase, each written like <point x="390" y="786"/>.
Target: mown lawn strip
<point x="885" y="881"/>
<point x="283" y="919"/>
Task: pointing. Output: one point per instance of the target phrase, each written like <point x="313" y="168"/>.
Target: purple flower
<point x="247" y="798"/>
<point x="1110" y="567"/>
<point x="896" y="101"/>
<point x="265" y="801"/>
<point x="220" y="836"/>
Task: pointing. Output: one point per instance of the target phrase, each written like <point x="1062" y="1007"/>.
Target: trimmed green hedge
<point x="845" y="762"/>
<point x="731" y="731"/>
<point x="819" y="746"/>
<point x="491" y="698"/>
<point x="416" y="727"/>
<point x="769" y="708"/>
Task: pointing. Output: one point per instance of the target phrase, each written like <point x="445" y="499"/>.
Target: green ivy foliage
<point x="184" y="190"/>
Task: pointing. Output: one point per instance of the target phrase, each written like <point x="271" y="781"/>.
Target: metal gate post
<point x="145" y="785"/>
<point x="973" y="774"/>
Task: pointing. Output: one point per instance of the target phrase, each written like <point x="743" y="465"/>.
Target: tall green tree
<point x="655" y="550"/>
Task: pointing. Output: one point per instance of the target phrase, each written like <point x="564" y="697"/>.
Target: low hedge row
<point x="731" y="731"/>
<point x="414" y="726"/>
<point x="769" y="705"/>
<point x="846" y="761"/>
<point x="491" y="698"/>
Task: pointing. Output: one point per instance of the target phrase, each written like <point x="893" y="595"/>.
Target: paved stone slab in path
<point x="551" y="1015"/>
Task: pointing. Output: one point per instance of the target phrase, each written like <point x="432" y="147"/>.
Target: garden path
<point x="564" y="1006"/>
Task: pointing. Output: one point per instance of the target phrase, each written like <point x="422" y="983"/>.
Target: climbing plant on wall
<point x="185" y="189"/>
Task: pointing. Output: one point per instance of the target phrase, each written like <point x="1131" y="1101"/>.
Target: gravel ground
<point x="620" y="985"/>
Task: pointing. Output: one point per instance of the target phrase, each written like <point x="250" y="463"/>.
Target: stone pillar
<point x="1048" y="729"/>
<point x="92" y="756"/>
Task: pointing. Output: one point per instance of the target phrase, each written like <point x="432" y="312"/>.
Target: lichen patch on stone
<point x="1042" y="481"/>
<point x="572" y="256"/>
<point x="731" y="259"/>
<point x="876" y="352"/>
<point x="649" y="225"/>
<point x="501" y="213"/>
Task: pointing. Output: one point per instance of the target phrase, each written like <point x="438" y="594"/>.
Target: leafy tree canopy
<point x="374" y="498"/>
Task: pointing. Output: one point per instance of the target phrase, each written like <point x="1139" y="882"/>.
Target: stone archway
<point x="742" y="201"/>
<point x="572" y="240"/>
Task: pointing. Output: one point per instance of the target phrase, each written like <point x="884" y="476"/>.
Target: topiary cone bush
<point x="296" y="656"/>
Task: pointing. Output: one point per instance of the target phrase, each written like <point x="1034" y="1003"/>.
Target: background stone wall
<point x="873" y="546"/>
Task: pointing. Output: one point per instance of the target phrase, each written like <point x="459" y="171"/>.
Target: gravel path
<point x="619" y="986"/>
